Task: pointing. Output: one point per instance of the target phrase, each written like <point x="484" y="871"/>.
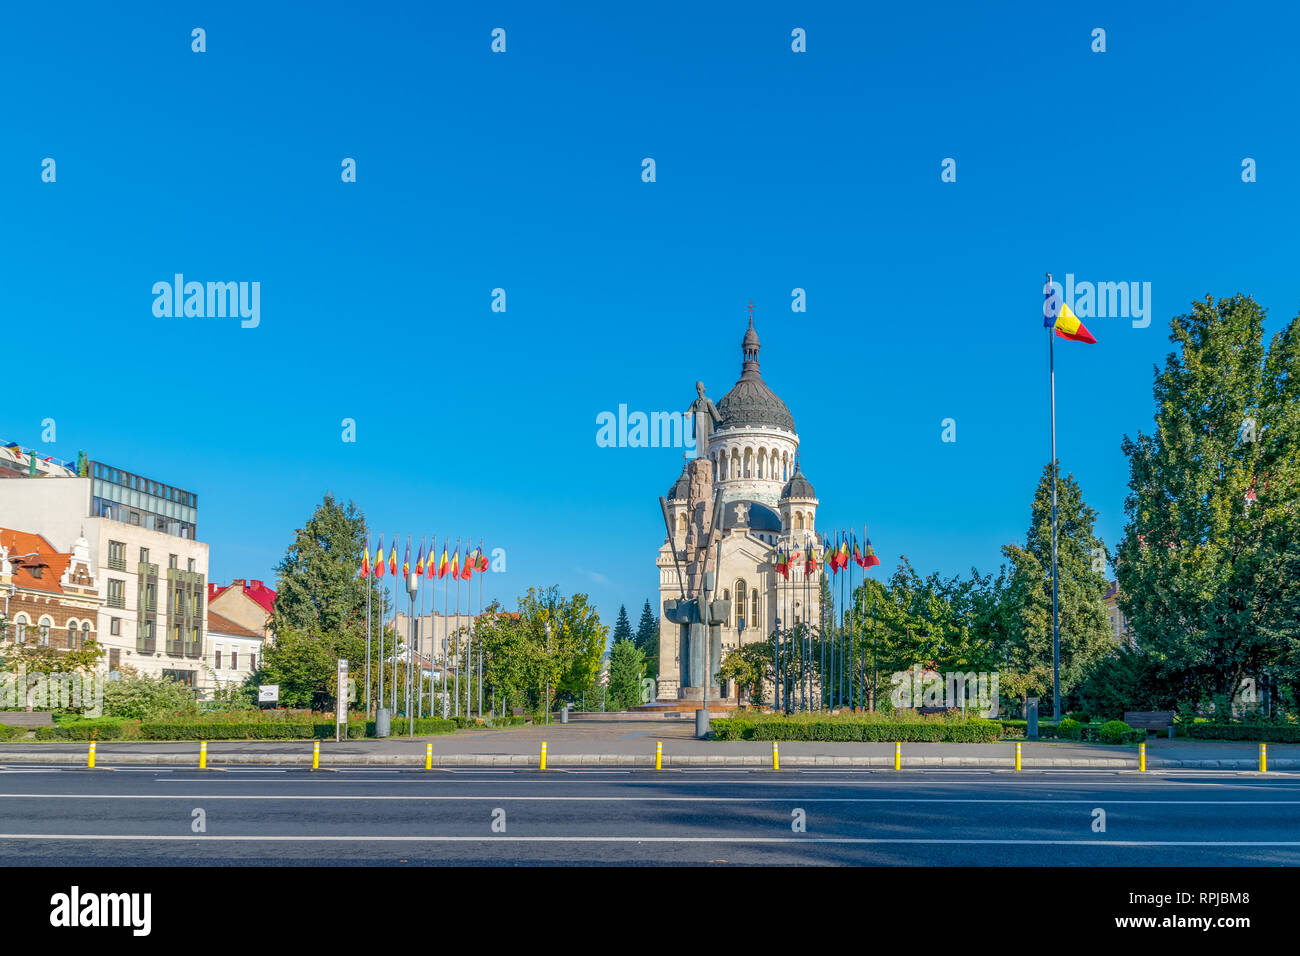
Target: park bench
<point x="519" y="712"/>
<point x="1149" y="720"/>
<point x="20" y="718"/>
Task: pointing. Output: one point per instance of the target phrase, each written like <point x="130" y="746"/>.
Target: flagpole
<point x="456" y="688"/>
<point x="480" y="643"/>
<point x="446" y="633"/>
<point x="379" y="701"/>
<point x="368" y="628"/>
<point x="1056" y="618"/>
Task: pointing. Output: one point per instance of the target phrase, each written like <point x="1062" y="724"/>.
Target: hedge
<point x="1258" y="733"/>
<point x="9" y="733"/>
<point x="968" y="730"/>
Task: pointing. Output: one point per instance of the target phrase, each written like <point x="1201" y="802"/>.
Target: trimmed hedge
<point x="968" y="730"/>
<point x="1090" y="733"/>
<point x="1256" y="733"/>
<point x="9" y="733"/>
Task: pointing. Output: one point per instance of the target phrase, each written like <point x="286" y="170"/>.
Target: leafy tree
<point x="44" y="659"/>
<point x="1207" y="567"/>
<point x="1025" y="618"/>
<point x="647" y="640"/>
<point x="749" y="666"/>
<point x="625" y="668"/>
<point x="305" y="664"/>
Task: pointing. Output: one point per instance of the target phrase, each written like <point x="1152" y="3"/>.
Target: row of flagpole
<point x="839" y="682"/>
<point x="425" y="573"/>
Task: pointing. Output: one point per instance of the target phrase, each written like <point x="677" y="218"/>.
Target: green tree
<point x="625" y="669"/>
<point x="1207" y="566"/>
<point x="133" y="696"/>
<point x="317" y="585"/>
<point x="622" y="626"/>
<point x="1025" y="619"/>
<point x="647" y="640"/>
<point x="305" y="664"/>
<point x="749" y="667"/>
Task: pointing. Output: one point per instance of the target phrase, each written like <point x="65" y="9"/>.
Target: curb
<point x="416" y="761"/>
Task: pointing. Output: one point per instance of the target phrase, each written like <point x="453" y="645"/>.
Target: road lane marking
<point x="503" y="838"/>
<point x="637" y="799"/>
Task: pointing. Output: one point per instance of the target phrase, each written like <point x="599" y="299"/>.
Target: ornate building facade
<point x="767" y="502"/>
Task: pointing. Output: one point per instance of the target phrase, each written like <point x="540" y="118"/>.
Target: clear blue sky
<point x="775" y="170"/>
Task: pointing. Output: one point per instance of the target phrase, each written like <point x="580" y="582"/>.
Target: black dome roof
<point x="759" y="517"/>
<point x="798" y="486"/>
<point x="750" y="402"/>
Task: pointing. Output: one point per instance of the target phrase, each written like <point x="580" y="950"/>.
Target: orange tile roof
<point x="224" y="625"/>
<point x="25" y="542"/>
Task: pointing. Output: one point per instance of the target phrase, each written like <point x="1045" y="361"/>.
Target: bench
<point x="1149" y="720"/>
<point x="519" y="712"/>
<point x="19" y="718"/>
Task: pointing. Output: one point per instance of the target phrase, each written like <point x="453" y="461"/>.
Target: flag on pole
<point x="419" y="561"/>
<point x="471" y="561"/>
<point x="810" y="564"/>
<point x="406" y="560"/>
<point x="392" y="558"/>
<point x="365" y="560"/>
<point x="782" y="563"/>
<point x="844" y="552"/>
<point x="869" y="559"/>
<point x="482" y="558"/>
<point x="1057" y="315"/>
<point x="794" y="558"/>
<point x="442" y="562"/>
<point x="431" y="568"/>
<point x="379" y="558"/>
<point x="455" y="562"/>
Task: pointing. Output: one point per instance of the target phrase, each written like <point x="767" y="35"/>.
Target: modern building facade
<point x="149" y="567"/>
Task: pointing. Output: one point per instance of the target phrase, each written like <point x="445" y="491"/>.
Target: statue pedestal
<point x="697" y="693"/>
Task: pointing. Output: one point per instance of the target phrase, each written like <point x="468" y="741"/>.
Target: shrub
<point x="1070" y="729"/>
<point x="10" y="733"/>
<point x="1078" y="715"/>
<point x="885" y="729"/>
<point x="1113" y="732"/>
<point x="1255" y="732"/>
<point x="136" y="697"/>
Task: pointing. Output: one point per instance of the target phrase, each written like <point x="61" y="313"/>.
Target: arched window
<point x="85" y="633"/>
<point x="682" y="521"/>
<point x="741" y="591"/>
<point x="72" y="635"/>
<point x="46" y="624"/>
<point x="753" y="608"/>
<point x="20" y="629"/>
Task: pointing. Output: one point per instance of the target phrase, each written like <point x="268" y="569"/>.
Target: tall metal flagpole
<point x="379" y="702"/>
<point x="480" y="643"/>
<point x="457" y="577"/>
<point x="469" y="636"/>
<point x="776" y="641"/>
<point x="368" y="583"/>
<point x="1056" y="618"/>
<point x="446" y="633"/>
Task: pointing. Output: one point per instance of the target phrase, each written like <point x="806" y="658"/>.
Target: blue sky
<point x="522" y="170"/>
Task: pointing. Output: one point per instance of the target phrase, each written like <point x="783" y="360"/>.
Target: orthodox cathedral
<point x="767" y="502"/>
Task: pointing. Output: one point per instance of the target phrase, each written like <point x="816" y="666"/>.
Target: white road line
<point x="501" y="838"/>
<point x="591" y="799"/>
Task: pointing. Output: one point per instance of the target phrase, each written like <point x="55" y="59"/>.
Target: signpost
<point x="341" y="702"/>
<point x="268" y="693"/>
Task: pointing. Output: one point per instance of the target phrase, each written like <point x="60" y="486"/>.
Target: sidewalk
<point x="628" y="744"/>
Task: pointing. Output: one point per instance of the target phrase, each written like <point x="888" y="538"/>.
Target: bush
<point x="1078" y="716"/>
<point x="1255" y="732"/>
<point x="136" y="697"/>
<point x="884" y="729"/>
<point x="1070" y="729"/>
<point x="1113" y="732"/>
<point x="10" y="733"/>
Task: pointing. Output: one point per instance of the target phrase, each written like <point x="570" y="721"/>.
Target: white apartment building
<point x="151" y="570"/>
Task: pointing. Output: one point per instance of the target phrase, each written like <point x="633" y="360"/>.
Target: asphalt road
<point x="267" y="816"/>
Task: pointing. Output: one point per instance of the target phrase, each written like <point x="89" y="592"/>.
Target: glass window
<point x="72" y="636"/>
<point x="217" y="657"/>
<point x="115" y="626"/>
<point x="234" y="660"/>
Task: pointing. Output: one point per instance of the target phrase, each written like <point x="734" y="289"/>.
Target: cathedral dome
<point x="798" y="486"/>
<point x="750" y="402"/>
<point x="681" y="488"/>
<point x="749" y="515"/>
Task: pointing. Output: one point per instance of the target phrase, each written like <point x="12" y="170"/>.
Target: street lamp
<point x="412" y="584"/>
<point x="548" y="673"/>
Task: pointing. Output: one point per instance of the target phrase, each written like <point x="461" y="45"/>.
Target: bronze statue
<point x="704" y="415"/>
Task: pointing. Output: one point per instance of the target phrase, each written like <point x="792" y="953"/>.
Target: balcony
<point x="117" y="564"/>
<point x="146" y="645"/>
<point x="116" y="600"/>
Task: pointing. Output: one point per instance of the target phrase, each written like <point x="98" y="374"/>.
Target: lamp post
<point x="548" y="673"/>
<point x="412" y="584"/>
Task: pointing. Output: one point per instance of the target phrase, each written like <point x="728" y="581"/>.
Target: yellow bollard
<point x="203" y="755"/>
<point x="1263" y="758"/>
<point x="543" y="754"/>
<point x="898" y="756"/>
<point x="1142" y="758"/>
<point x="90" y="758"/>
<point x="1017" y="755"/>
<point x="776" y="757"/>
<point x="659" y="755"/>
<point x="315" y="755"/>
<point x="428" y="756"/>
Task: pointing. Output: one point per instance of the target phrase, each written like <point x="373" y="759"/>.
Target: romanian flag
<point x="857" y="552"/>
<point x="379" y="558"/>
<point x="432" y="566"/>
<point x="869" y="559"/>
<point x="1057" y="315"/>
<point x="793" y="558"/>
<point x="844" y="552"/>
<point x="365" y="560"/>
<point x="471" y="562"/>
<point x="419" y="561"/>
<point x="482" y="558"/>
<point x="406" y="561"/>
<point x="831" y="556"/>
<point x="810" y="564"/>
<point x="442" y="562"/>
<point x="782" y="563"/>
<point x="392" y="558"/>
<point x="455" y="562"/>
